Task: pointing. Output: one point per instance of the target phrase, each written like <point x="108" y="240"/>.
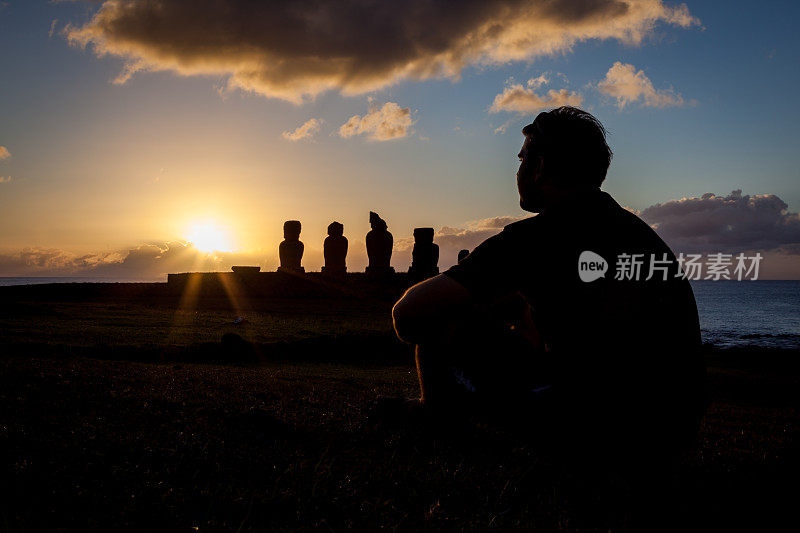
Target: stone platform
<point x="289" y="285"/>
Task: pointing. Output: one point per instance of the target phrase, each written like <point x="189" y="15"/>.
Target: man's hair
<point x="573" y="145"/>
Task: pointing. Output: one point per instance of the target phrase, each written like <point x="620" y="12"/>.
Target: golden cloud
<point x="628" y="85"/>
<point x="305" y="131"/>
<point x="518" y="99"/>
<point x="381" y="124"/>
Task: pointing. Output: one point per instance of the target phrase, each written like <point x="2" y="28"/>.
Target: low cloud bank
<point x="734" y="224"/>
<point x="146" y="262"/>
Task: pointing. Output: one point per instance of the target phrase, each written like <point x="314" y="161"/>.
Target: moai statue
<point x="335" y="250"/>
<point x="424" y="256"/>
<point x="379" y="247"/>
<point x="462" y="254"/>
<point x="291" y="249"/>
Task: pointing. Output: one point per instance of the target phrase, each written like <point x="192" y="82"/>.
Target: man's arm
<point x="427" y="309"/>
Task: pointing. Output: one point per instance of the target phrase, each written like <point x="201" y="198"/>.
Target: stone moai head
<point x="462" y="254"/>
<point x="291" y="230"/>
<point x="423" y="235"/>
<point x="376" y="222"/>
<point x="335" y="229"/>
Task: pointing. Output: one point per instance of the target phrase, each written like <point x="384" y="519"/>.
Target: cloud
<point x="524" y="100"/>
<point x="145" y="262"/>
<point x="729" y="224"/>
<point x="296" y="50"/>
<point x="628" y="85"/>
<point x="305" y="131"/>
<point x="48" y="260"/>
<point x="381" y="124"/>
<point x="790" y="249"/>
<point x="538" y="81"/>
<point x="5" y="179"/>
<point x="501" y="129"/>
<point x="4" y="153"/>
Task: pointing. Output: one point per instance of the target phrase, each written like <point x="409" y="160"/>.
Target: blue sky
<point x="97" y="166"/>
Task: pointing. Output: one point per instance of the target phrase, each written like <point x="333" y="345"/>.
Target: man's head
<point x="564" y="152"/>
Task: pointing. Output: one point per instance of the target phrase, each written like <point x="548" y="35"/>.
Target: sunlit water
<point x="732" y="313"/>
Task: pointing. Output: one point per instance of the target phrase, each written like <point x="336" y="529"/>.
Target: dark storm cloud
<point x="291" y="50"/>
<point x="733" y="223"/>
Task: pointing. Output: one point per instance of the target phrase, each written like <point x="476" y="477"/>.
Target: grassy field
<point x="137" y="414"/>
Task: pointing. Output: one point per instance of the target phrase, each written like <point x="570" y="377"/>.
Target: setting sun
<point x="210" y="237"/>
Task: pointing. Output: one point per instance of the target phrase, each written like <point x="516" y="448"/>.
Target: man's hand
<point x="517" y="316"/>
<point x="427" y="310"/>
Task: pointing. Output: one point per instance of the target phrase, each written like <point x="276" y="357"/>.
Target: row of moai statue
<point x="424" y="256"/>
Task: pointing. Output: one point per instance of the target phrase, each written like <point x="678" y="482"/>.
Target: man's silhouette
<point x="514" y="329"/>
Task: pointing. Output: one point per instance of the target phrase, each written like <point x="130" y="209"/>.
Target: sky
<point x="130" y="128"/>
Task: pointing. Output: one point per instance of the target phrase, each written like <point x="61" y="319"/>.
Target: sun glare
<point x="209" y="237"/>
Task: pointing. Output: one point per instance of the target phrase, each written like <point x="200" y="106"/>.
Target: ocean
<point x="732" y="313"/>
<point x="761" y="313"/>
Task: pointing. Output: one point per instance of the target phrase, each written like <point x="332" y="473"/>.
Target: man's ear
<point x="538" y="169"/>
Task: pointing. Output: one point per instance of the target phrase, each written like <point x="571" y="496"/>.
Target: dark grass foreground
<point x="99" y="431"/>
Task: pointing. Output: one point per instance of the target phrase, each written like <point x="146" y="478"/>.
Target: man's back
<point x="622" y="344"/>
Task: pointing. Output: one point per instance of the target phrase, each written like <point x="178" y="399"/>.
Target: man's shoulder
<point x="529" y="224"/>
<point x="640" y="230"/>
